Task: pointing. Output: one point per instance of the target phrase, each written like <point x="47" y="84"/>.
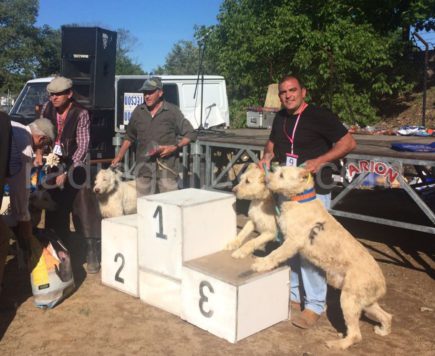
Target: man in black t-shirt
<point x="305" y="134"/>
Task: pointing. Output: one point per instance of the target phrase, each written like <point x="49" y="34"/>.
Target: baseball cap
<point x="59" y="84"/>
<point x="152" y="83"/>
<point x="43" y="127"/>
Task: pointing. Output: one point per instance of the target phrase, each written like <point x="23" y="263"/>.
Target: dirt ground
<point x="98" y="320"/>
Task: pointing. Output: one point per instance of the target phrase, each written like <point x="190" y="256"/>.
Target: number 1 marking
<point x="159" y="212"/>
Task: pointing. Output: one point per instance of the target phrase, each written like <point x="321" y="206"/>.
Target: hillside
<point x="408" y="111"/>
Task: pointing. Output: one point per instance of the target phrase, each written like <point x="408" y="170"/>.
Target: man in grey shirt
<point x="156" y="125"/>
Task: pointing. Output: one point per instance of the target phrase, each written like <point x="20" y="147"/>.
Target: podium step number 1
<point x="177" y="226"/>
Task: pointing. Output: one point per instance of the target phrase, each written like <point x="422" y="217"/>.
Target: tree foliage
<point x="351" y="54"/>
<point x="185" y="58"/>
<point x="18" y="42"/>
<point x="124" y="63"/>
<point x="28" y="51"/>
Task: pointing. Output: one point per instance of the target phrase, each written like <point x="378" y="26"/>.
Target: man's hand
<point x="313" y="165"/>
<point x="167" y="150"/>
<point x="61" y="180"/>
<point x="263" y="162"/>
<point x="115" y="161"/>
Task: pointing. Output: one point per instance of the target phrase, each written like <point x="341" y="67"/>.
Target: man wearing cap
<point x="156" y="125"/>
<point x="23" y="141"/>
<point x="72" y="124"/>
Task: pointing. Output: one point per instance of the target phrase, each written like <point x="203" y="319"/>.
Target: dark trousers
<point x="81" y="202"/>
<point x="59" y="219"/>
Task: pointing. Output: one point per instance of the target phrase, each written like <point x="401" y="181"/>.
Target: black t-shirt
<point x="318" y="129"/>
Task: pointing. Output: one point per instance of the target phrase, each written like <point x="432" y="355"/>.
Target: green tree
<point x="352" y="55"/>
<point x="48" y="51"/>
<point x="184" y="58"/>
<point x="124" y="63"/>
<point x="18" y="37"/>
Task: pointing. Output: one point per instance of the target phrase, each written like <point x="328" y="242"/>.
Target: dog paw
<point x="335" y="344"/>
<point x="262" y="265"/>
<point x="239" y="253"/>
<point x="381" y="330"/>
<point x="232" y="245"/>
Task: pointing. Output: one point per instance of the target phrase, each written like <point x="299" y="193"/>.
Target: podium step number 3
<point x="225" y="297"/>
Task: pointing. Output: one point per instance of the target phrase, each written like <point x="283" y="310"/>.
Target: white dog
<point x="115" y="197"/>
<point x="261" y="213"/>
<point x="309" y="229"/>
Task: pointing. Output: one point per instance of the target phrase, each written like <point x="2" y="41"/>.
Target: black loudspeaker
<point x="89" y="59"/>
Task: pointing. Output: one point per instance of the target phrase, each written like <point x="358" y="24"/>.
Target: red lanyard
<point x="60" y="118"/>
<point x="292" y="139"/>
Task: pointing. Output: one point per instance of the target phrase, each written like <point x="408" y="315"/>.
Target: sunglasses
<point x="65" y="92"/>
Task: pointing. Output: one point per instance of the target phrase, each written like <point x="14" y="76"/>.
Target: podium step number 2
<point x="119" y="254"/>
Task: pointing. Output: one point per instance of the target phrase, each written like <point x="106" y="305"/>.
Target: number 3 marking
<point x="117" y="277"/>
<point x="159" y="213"/>
<point x="204" y="298"/>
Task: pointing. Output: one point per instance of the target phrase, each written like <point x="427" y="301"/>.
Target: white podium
<point x="160" y="291"/>
<point x="119" y="267"/>
<point x="182" y="225"/>
<point x="224" y="296"/>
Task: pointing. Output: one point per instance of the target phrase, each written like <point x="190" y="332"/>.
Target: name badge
<point x="291" y="160"/>
<point x="57" y="150"/>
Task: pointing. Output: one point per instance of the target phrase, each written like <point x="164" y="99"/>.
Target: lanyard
<point x="292" y="138"/>
<point x="61" y="119"/>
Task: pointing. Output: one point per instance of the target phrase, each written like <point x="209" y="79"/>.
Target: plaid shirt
<point x="82" y="137"/>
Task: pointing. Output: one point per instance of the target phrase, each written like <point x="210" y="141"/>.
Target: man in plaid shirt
<point x="71" y="145"/>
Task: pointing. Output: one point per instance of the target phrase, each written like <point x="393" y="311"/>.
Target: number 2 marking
<point x="159" y="213"/>
<point x="204" y="298"/>
<point x="117" y="277"/>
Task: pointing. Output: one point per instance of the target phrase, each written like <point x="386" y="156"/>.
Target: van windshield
<point x="24" y="107"/>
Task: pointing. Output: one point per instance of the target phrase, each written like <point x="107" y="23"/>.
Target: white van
<point x="181" y="90"/>
<point x="108" y="125"/>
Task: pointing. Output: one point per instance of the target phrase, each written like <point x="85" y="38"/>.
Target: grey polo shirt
<point x="164" y="129"/>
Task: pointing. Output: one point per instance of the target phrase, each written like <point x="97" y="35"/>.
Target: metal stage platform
<point x="214" y="157"/>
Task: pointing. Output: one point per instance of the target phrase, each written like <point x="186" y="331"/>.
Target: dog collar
<point x="305" y="196"/>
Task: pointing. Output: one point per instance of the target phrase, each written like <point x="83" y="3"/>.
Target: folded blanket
<point x="413" y="147"/>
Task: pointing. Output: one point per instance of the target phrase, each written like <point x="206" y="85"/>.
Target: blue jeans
<point x="313" y="278"/>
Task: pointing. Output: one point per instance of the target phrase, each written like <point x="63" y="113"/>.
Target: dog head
<point x="289" y="181"/>
<point x="40" y="199"/>
<point x="252" y="184"/>
<point x="106" y="181"/>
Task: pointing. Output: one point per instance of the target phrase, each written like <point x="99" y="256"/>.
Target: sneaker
<point x="306" y="319"/>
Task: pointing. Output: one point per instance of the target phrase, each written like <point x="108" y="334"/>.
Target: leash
<point x="162" y="166"/>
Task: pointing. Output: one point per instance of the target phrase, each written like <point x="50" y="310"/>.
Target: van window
<point x="211" y="94"/>
<point x="32" y="94"/>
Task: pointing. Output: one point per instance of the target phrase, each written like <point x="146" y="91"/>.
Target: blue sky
<point x="157" y="25"/>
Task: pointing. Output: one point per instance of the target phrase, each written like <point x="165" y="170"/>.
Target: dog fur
<point x="261" y="213"/>
<point x="310" y="230"/>
<point x="115" y="197"/>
